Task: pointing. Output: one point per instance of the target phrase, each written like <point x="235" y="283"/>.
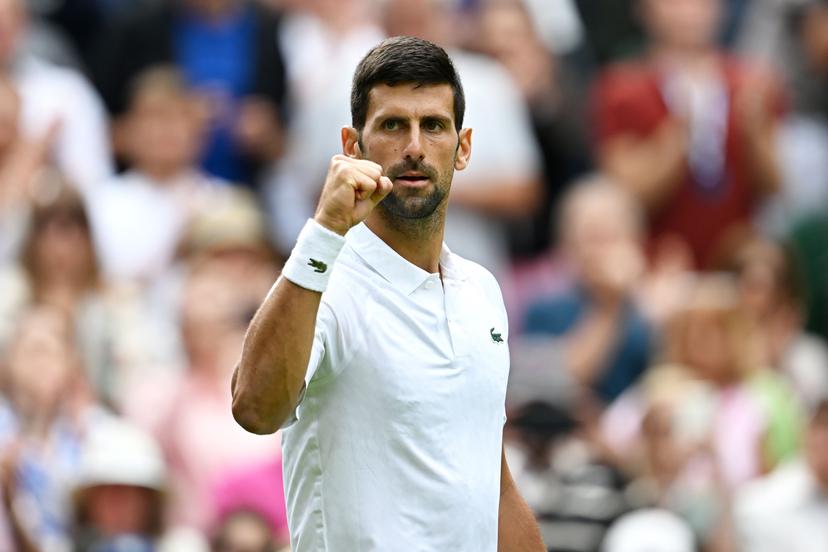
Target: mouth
<point x="411" y="178"/>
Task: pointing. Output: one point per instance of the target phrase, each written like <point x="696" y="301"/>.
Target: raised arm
<point x="274" y="360"/>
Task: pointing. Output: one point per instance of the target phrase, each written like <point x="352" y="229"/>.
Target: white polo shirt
<point x="397" y="441"/>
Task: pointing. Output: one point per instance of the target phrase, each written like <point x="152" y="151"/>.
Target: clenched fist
<point x="352" y="189"/>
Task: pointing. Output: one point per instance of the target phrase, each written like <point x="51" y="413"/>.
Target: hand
<point x="352" y="189"/>
<point x="258" y="129"/>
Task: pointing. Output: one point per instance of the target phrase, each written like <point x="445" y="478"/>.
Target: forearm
<point x="590" y="345"/>
<point x="517" y="529"/>
<point x="763" y="160"/>
<point x="274" y="359"/>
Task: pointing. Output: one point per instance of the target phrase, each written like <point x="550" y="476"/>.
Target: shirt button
<point x="429" y="284"/>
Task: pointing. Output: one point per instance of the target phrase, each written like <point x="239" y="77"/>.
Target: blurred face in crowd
<point x="764" y="280"/>
<point x="601" y="236"/>
<point x="244" y="532"/>
<point x="506" y="26"/>
<point x="9" y="113"/>
<point x="715" y="338"/>
<point x="62" y="249"/>
<point x="164" y="131"/>
<point x="689" y="24"/>
<point x="113" y="510"/>
<point x="12" y="23"/>
<point x="211" y="320"/>
<point x="410" y="131"/>
<point x="421" y="18"/>
<point x="42" y="362"/>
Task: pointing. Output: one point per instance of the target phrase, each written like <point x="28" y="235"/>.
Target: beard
<point x="413" y="204"/>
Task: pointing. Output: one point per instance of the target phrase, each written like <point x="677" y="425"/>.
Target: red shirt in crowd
<point x="704" y="211"/>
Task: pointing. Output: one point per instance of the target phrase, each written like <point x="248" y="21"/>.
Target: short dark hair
<point x="404" y="59"/>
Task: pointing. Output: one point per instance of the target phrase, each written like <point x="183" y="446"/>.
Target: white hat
<point x="650" y="530"/>
<point x="118" y="453"/>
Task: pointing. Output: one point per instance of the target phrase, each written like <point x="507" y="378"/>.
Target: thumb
<point x="384" y="187"/>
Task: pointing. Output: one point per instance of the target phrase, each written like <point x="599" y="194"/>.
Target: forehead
<point x="411" y="100"/>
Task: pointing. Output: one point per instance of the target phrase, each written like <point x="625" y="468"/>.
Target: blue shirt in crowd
<point x="629" y="358"/>
<point x="216" y="58"/>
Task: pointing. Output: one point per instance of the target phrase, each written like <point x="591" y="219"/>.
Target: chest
<point x="436" y="353"/>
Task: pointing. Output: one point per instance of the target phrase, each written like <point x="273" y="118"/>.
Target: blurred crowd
<point x="649" y="183"/>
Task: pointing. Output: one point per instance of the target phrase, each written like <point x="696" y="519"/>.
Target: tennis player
<point x="382" y="353"/>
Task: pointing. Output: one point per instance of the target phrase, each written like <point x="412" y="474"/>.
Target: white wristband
<point x="311" y="262"/>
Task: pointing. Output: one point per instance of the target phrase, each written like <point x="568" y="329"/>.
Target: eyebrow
<point x="402" y="118"/>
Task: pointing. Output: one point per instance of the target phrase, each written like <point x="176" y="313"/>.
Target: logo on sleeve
<point x="318" y="266"/>
<point x="496" y="337"/>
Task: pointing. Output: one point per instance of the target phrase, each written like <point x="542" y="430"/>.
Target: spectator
<point x="21" y="160"/>
<point x="161" y="135"/>
<point x="690" y="131"/>
<point x="573" y="492"/>
<point x="55" y="96"/>
<point x="58" y="267"/>
<point x="188" y="412"/>
<point x="44" y="414"/>
<point x="804" y="136"/>
<point x="252" y="497"/>
<point x="773" y="297"/>
<point x="227" y="51"/>
<point x="710" y="421"/>
<point x="606" y="338"/>
<point x="788" y="509"/>
<point x="244" y="531"/>
<point x="556" y="108"/>
<point x="120" y="494"/>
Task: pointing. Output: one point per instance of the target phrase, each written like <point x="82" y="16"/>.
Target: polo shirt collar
<point x="401" y="273"/>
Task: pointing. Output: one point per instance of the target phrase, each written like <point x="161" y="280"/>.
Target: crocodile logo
<point x="318" y="266"/>
<point x="496" y="337"/>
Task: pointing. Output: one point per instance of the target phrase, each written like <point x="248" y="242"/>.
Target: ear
<point x="461" y="160"/>
<point x="350" y="142"/>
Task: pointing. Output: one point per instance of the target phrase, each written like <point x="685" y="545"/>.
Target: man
<point x="394" y="381"/>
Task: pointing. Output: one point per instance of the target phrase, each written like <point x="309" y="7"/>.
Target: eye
<point x="433" y="125"/>
<point x="390" y="124"/>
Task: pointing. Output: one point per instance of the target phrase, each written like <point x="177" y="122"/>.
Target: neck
<point x="690" y="58"/>
<point x="419" y="241"/>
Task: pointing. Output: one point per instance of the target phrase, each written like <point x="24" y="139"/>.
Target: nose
<point x="413" y="148"/>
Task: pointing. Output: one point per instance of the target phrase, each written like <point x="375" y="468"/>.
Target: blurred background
<point x="649" y="183"/>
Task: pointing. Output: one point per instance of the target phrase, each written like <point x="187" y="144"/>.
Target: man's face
<point x="409" y="131"/>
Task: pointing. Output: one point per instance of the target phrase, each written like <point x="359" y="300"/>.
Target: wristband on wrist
<point x="311" y="262"/>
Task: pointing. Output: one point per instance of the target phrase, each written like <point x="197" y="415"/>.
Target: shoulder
<point x="40" y="79"/>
